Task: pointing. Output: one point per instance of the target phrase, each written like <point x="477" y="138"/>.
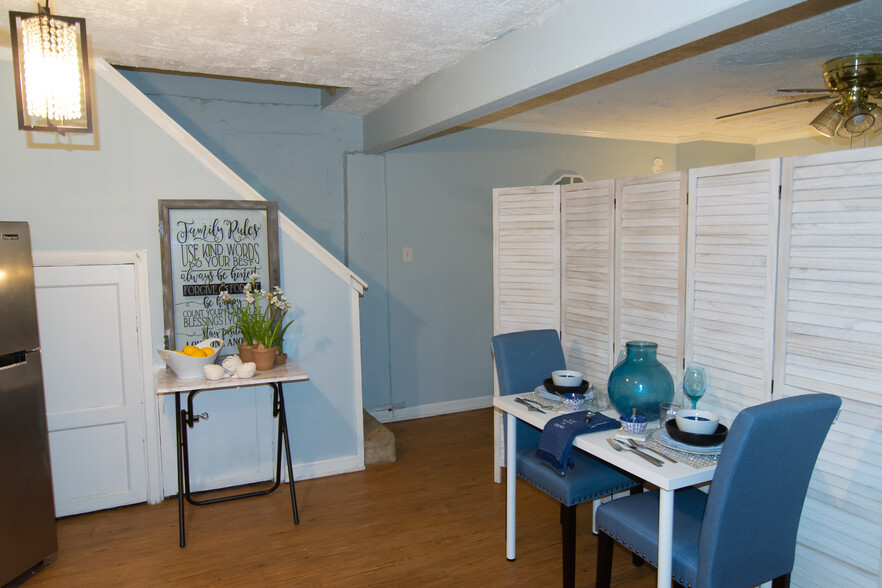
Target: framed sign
<point x="208" y="246"/>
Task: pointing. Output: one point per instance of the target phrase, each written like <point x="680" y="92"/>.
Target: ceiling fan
<point x="851" y="83"/>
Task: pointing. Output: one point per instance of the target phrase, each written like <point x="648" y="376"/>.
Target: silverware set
<point x="621" y="446"/>
<point x="532" y="405"/>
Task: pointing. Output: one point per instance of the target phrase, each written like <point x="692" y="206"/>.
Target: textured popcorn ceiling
<point x="376" y="47"/>
<point x="379" y="48"/>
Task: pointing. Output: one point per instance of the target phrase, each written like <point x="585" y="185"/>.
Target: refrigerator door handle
<point x="11" y="360"/>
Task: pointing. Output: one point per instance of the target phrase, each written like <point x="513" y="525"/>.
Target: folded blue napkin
<point x="556" y="443"/>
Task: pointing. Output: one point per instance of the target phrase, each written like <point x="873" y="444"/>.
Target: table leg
<point x="665" y="537"/>
<point x="510" y="484"/>
<point x="179" y="422"/>
<point x="283" y="434"/>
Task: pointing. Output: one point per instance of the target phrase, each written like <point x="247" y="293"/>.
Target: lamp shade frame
<point x="28" y="122"/>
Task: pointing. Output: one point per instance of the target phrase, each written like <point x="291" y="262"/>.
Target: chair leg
<point x="568" y="541"/>
<point x="781" y="581"/>
<point x="636" y="559"/>
<point x="604" y="560"/>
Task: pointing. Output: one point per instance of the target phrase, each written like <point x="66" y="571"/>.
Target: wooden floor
<point x="433" y="518"/>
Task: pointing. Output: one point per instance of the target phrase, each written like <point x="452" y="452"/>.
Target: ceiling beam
<point x="573" y="50"/>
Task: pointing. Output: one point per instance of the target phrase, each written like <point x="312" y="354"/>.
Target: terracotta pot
<point x="245" y="352"/>
<point x="281" y="358"/>
<point x="264" y="358"/>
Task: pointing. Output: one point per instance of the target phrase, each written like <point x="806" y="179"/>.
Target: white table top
<point x="670" y="476"/>
<point x="166" y="382"/>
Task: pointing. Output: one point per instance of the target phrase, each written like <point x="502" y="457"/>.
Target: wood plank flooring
<point x="433" y="518"/>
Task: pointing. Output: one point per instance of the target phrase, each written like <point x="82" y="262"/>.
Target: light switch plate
<point x="407" y="255"/>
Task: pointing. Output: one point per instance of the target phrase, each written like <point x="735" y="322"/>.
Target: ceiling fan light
<point x="860" y="117"/>
<point x="828" y="120"/>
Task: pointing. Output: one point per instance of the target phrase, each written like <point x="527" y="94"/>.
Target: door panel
<point x="92" y="381"/>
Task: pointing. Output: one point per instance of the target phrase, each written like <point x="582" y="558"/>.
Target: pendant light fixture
<point x="51" y="65"/>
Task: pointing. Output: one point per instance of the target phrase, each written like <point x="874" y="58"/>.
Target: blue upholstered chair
<point x="743" y="532"/>
<point x="524" y="360"/>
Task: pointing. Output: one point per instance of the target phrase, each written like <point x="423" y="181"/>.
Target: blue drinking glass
<point x="694" y="383"/>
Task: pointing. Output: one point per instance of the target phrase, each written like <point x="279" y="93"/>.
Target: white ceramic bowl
<point x="185" y="366"/>
<point x="698" y="422"/>
<point x="566" y="378"/>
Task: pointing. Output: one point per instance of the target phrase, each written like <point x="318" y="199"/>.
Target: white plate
<point x="666" y="440"/>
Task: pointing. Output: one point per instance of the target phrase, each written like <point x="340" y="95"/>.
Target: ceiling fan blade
<point x="814" y="99"/>
<point x="806" y="90"/>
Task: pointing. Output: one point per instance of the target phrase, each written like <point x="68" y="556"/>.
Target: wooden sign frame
<point x="207" y="246"/>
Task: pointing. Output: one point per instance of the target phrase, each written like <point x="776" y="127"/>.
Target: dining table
<point x="668" y="477"/>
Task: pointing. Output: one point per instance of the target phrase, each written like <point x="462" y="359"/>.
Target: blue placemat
<point x="556" y="443"/>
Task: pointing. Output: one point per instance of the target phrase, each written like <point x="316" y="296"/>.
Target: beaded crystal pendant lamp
<point x="51" y="64"/>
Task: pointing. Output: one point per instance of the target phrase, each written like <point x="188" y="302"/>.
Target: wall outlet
<point x="407" y="254"/>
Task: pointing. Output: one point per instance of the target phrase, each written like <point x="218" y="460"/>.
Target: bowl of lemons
<point x="189" y="361"/>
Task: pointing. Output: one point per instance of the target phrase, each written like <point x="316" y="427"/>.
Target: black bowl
<point x="714" y="438"/>
<point x="552" y="387"/>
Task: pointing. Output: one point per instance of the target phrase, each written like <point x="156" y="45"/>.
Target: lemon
<point x="207" y="351"/>
<point x="192" y="351"/>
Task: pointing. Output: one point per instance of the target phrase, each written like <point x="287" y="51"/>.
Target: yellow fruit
<point x="207" y="351"/>
<point x="192" y="351"/>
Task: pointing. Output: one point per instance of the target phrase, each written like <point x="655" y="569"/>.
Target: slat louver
<point x="731" y="267"/>
<point x="650" y="264"/>
<point x="829" y="339"/>
<point x="526" y="259"/>
<point x="587" y="277"/>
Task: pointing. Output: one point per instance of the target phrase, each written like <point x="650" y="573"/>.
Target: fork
<point x="619" y="447"/>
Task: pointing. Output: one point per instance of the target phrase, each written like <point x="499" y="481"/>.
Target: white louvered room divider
<point x="587" y="279"/>
<point x="730" y="281"/>
<point x="651" y="264"/>
<point x="783" y="296"/>
<point x="829" y="339"/>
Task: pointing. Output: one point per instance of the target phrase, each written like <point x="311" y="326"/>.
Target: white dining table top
<point x="669" y="476"/>
<point x="166" y="382"/>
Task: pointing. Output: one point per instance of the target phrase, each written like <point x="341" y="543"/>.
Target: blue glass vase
<point x="640" y="381"/>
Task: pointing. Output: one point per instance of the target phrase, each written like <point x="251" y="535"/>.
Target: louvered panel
<point x="731" y="265"/>
<point x="816" y="570"/>
<point x="526" y="253"/>
<point x="650" y="247"/>
<point x="586" y="281"/>
<point x="829" y="339"/>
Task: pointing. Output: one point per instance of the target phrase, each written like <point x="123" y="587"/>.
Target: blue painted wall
<point x="275" y="137"/>
<point x="99" y="193"/>
<point x="439" y="202"/>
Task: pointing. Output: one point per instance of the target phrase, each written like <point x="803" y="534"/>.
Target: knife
<point x="526" y="403"/>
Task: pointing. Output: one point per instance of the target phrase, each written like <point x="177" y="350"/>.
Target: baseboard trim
<point x="427" y="410"/>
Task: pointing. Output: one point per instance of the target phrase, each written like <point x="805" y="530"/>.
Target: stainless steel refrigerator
<point x="27" y="506"/>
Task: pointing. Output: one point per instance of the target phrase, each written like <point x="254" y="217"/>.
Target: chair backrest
<point x="748" y="534"/>
<point x="524" y="360"/>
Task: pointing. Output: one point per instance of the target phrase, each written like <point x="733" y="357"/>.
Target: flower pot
<point x="263" y="358"/>
<point x="281" y="358"/>
<point x="640" y="381"/>
<point x="245" y="352"/>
